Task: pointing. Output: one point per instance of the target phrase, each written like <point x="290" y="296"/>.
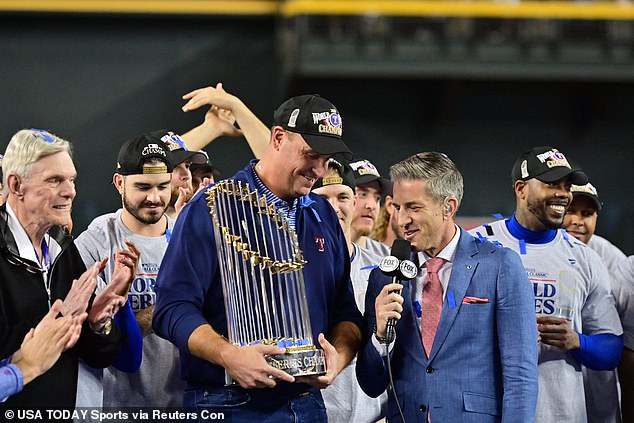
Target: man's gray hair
<point x="27" y="147"/>
<point x="441" y="174"/>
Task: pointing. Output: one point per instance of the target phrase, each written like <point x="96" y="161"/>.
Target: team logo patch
<point x="328" y="122"/>
<point x="320" y="243"/>
<point x="152" y="149"/>
<point x="587" y="189"/>
<point x="173" y="141"/>
<point x="364" y="167"/>
<point x="553" y="158"/>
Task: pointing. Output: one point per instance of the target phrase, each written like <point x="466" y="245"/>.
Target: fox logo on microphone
<point x="389" y="264"/>
<point x="408" y="269"/>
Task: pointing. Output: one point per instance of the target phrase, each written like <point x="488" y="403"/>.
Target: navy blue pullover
<point x="189" y="287"/>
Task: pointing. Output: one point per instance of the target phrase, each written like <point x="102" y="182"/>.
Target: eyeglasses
<point x="16" y="260"/>
<point x="10" y="254"/>
<point x="45" y="135"/>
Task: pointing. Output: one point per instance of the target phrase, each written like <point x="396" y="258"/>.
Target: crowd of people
<point x="529" y="318"/>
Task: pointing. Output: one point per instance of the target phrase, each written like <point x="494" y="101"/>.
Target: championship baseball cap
<point x="179" y="150"/>
<point x="206" y="167"/>
<point x="365" y="172"/>
<point x="546" y="164"/>
<point x="135" y="150"/>
<point x="346" y="175"/>
<point x="587" y="190"/>
<point x="317" y="120"/>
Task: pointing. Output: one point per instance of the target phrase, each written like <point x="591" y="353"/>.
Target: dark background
<point x="99" y="80"/>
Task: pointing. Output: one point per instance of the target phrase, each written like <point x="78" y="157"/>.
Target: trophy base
<point x="300" y="361"/>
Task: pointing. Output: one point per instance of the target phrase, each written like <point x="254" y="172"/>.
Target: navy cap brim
<point x="327" y="145"/>
<point x="181" y="155"/>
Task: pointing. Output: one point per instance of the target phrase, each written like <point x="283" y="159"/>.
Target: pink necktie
<point x="432" y="302"/>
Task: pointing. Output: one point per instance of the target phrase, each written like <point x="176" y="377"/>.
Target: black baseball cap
<point x="136" y="150"/>
<point x="587" y="190"/>
<point x="547" y="164"/>
<point x="346" y="175"/>
<point x="179" y="150"/>
<point x="317" y="120"/>
<point x="365" y="172"/>
<point x="205" y="167"/>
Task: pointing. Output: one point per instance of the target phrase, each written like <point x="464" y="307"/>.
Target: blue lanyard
<point x="45" y="254"/>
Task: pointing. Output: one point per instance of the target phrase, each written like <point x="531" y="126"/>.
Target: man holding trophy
<point x="256" y="278"/>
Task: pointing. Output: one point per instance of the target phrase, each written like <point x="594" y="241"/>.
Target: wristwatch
<point x="105" y="330"/>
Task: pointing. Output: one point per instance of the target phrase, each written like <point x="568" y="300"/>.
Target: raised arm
<point x="224" y="111"/>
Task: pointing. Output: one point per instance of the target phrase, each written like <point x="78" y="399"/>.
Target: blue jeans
<point x="257" y="405"/>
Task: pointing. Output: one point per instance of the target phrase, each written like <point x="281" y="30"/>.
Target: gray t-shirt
<point x="601" y="386"/>
<point x="157" y="382"/>
<point x="345" y="400"/>
<point x="624" y="275"/>
<point x="377" y="248"/>
<point x="609" y="253"/>
<point x="564" y="272"/>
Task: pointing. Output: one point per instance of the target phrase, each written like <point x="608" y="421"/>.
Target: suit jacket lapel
<point x="461" y="274"/>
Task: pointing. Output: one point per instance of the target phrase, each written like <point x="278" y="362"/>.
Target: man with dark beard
<point x="576" y="318"/>
<point x="143" y="174"/>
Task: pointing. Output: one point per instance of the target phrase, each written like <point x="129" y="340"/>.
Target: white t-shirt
<point x="564" y="272"/>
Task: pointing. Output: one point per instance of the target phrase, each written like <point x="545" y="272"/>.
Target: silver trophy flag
<point x="261" y="267"/>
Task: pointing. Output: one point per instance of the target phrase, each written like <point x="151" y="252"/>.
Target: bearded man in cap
<point x="576" y="318"/>
<point x="142" y="177"/>
<point x="190" y="310"/>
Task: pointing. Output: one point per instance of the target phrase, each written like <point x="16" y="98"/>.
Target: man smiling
<point x="190" y="309"/>
<point x="577" y="321"/>
<point x="40" y="264"/>
<point x="142" y="178"/>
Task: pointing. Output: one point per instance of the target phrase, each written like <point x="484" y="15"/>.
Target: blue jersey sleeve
<point x="129" y="358"/>
<point x="599" y="352"/>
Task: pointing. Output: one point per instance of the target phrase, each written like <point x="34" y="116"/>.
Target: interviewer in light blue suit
<point x="482" y="366"/>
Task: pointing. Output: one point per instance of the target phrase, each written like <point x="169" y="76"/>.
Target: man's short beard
<point x="134" y="211"/>
<point x="537" y="209"/>
<point x="174" y="195"/>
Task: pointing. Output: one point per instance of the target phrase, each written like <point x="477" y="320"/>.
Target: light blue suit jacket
<point x="483" y="363"/>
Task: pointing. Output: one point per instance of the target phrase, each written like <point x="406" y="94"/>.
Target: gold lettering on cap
<point x="332" y="181"/>
<point x="152" y="170"/>
<point x="336" y="130"/>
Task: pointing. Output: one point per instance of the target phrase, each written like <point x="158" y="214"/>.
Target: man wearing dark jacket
<point x="39" y="264"/>
<point x="190" y="309"/>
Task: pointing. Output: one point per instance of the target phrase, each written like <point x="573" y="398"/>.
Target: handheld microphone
<point x="397" y="265"/>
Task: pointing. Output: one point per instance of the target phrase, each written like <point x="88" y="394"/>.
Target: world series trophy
<point x="261" y="268"/>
